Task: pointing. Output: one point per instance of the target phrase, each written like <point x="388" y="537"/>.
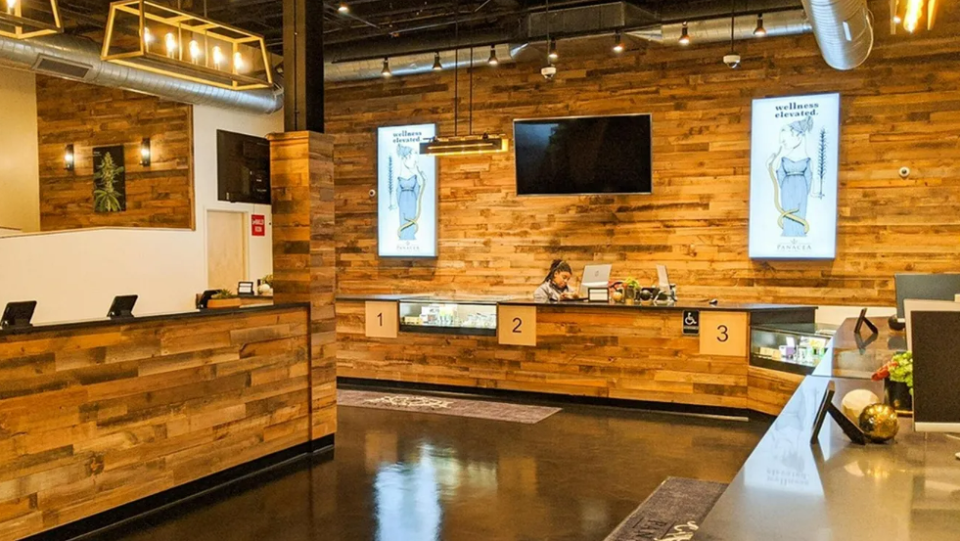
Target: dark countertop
<point x="105" y="322"/>
<point x="703" y="306"/>
<point x="788" y="490"/>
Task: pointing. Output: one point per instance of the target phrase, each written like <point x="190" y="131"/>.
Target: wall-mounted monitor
<point x="243" y="168"/>
<point x="584" y="155"/>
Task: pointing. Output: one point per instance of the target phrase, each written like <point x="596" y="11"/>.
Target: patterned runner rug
<point x="479" y="409"/>
<point x="672" y="513"/>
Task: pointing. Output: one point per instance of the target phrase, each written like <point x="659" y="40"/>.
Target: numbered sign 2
<point x="382" y="319"/>
<point x="517" y="325"/>
<point x="724" y="333"/>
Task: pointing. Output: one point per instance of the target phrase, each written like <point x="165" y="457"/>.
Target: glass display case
<point x="791" y="347"/>
<point x="461" y="316"/>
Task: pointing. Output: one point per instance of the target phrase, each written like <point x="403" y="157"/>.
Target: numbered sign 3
<point x="517" y="325"/>
<point x="382" y="319"/>
<point x="724" y="333"/>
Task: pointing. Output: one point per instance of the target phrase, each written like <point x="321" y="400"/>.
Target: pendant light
<point x="684" y="34"/>
<point x="732" y="60"/>
<point x="493" y="60"/>
<point x="437" y="66"/>
<point x="343" y="8"/>
<point x="385" y="72"/>
<point x="553" y="55"/>
<point x="760" y="31"/>
<point x="19" y="20"/>
<point x="618" y="46"/>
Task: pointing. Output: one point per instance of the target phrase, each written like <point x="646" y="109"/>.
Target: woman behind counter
<point x="555" y="286"/>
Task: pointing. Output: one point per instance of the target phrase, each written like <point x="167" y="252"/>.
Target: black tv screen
<point x="583" y="155"/>
<point x="243" y="168"/>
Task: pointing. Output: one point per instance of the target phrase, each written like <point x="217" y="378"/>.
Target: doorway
<point x="226" y="249"/>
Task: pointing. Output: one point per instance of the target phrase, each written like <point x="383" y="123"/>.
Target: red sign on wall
<point x="258" y="224"/>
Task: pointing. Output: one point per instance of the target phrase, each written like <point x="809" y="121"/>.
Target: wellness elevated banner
<point x="794" y="152"/>
<point x="407" y="192"/>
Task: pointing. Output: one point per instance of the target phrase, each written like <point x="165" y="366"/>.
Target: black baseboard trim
<point x="236" y="479"/>
<point x="553" y="399"/>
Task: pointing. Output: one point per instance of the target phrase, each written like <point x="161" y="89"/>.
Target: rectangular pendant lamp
<point x="160" y="39"/>
<point x="25" y="19"/>
<point x="465" y="144"/>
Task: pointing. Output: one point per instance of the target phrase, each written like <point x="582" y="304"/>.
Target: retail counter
<point x="609" y="351"/>
<point x="98" y="414"/>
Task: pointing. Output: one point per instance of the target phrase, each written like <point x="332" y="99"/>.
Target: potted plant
<point x="223" y="298"/>
<point x="266" y="285"/>
<point x="897" y="377"/>
<point x="631" y="287"/>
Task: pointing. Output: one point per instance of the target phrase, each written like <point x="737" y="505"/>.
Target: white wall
<point x="75" y="274"/>
<point x="19" y="162"/>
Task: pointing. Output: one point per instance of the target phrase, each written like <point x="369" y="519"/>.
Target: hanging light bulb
<point x="437" y="66"/>
<point x="897" y="19"/>
<point x="217" y="57"/>
<point x="618" y="46"/>
<point x="911" y="17"/>
<point x="553" y="55"/>
<point x="171" y="43"/>
<point x="11" y="6"/>
<point x="237" y="61"/>
<point x="493" y="60"/>
<point x="344" y="8"/>
<point x="385" y="72"/>
<point x="194" y="50"/>
<point x="684" y="34"/>
<point x="760" y="31"/>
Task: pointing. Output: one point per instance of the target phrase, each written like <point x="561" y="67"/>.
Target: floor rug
<point x="672" y="513"/>
<point x="479" y="409"/>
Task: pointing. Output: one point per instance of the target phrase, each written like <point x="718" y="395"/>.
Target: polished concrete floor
<point x="398" y="476"/>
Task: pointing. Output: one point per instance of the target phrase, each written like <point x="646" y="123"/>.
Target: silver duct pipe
<point x="78" y="58"/>
<point x="781" y="23"/>
<point x="411" y="64"/>
<point x="844" y="31"/>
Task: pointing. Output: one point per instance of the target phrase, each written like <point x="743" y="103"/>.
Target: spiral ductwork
<point x="844" y="31"/>
<point x="78" y="58"/>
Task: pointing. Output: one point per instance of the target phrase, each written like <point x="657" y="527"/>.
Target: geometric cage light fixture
<point x="24" y="19"/>
<point x="161" y="39"/>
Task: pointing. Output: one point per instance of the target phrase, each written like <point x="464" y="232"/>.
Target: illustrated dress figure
<point x="795" y="178"/>
<point x="408" y="199"/>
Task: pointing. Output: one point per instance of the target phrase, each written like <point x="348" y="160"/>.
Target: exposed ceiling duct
<point x="781" y="23"/>
<point x="844" y="31"/>
<point x="79" y="58"/>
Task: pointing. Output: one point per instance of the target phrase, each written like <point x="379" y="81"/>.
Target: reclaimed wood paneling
<point x="902" y="107"/>
<point x="304" y="256"/>
<point x="88" y="116"/>
<point x="94" y="418"/>
<point x="770" y="390"/>
<point x="608" y="353"/>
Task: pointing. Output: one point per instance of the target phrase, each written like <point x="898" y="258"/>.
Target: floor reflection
<point x="420" y="477"/>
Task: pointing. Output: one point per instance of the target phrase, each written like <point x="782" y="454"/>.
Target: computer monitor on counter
<point x="936" y="369"/>
<point x="931" y="287"/>
<point x="594" y="276"/>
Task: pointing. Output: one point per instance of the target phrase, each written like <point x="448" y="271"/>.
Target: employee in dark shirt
<point x="555" y="286"/>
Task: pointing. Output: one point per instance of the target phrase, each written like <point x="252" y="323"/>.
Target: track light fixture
<point x="760" y="31"/>
<point x="437" y="66"/>
<point x="684" y="34"/>
<point x="618" y="46"/>
<point x="493" y="60"/>
<point x="553" y="55"/>
<point x="343" y="8"/>
<point x="385" y="72"/>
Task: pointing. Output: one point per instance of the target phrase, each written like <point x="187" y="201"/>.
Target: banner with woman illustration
<point x="794" y="153"/>
<point x="406" y="193"/>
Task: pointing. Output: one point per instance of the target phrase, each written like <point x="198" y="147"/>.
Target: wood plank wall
<point x="88" y="116"/>
<point x="95" y="418"/>
<point x="304" y="256"/>
<point x="902" y="107"/>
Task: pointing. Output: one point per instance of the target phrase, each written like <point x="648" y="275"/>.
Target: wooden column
<point x="304" y="255"/>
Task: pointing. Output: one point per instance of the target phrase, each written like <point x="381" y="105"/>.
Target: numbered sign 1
<point x="517" y="325"/>
<point x="724" y="333"/>
<point x="382" y="319"/>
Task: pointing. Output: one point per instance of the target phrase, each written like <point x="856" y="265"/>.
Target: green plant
<point x="268" y="279"/>
<point x="222" y="294"/>
<point x="631" y="283"/>
<point x="899" y="369"/>
<point x="105" y="196"/>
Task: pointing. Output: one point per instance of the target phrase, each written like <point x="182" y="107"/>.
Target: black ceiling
<point x="386" y="20"/>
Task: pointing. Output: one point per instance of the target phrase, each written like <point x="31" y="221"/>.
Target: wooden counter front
<point x="598" y="351"/>
<point x="96" y="416"/>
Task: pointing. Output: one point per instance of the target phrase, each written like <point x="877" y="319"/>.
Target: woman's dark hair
<point x="558" y="265"/>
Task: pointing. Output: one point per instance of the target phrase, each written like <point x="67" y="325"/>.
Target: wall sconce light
<point x="145" y="152"/>
<point x="68" y="158"/>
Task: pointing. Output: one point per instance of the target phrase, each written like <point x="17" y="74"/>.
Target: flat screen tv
<point x="583" y="155"/>
<point x="243" y="168"/>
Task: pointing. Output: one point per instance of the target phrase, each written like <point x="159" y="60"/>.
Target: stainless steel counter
<point x="905" y="490"/>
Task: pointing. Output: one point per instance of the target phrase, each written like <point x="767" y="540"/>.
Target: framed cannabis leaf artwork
<point x="109" y="179"/>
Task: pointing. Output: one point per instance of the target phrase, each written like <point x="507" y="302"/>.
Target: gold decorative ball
<point x="879" y="422"/>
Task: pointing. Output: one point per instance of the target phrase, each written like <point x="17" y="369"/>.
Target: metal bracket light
<point x="24" y="19"/>
<point x="160" y="39"/>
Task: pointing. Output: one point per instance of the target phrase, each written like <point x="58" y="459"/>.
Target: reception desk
<point x="98" y="414"/>
<point x="605" y="351"/>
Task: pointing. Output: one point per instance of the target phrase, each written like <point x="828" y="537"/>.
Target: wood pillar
<point x="304" y="255"/>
